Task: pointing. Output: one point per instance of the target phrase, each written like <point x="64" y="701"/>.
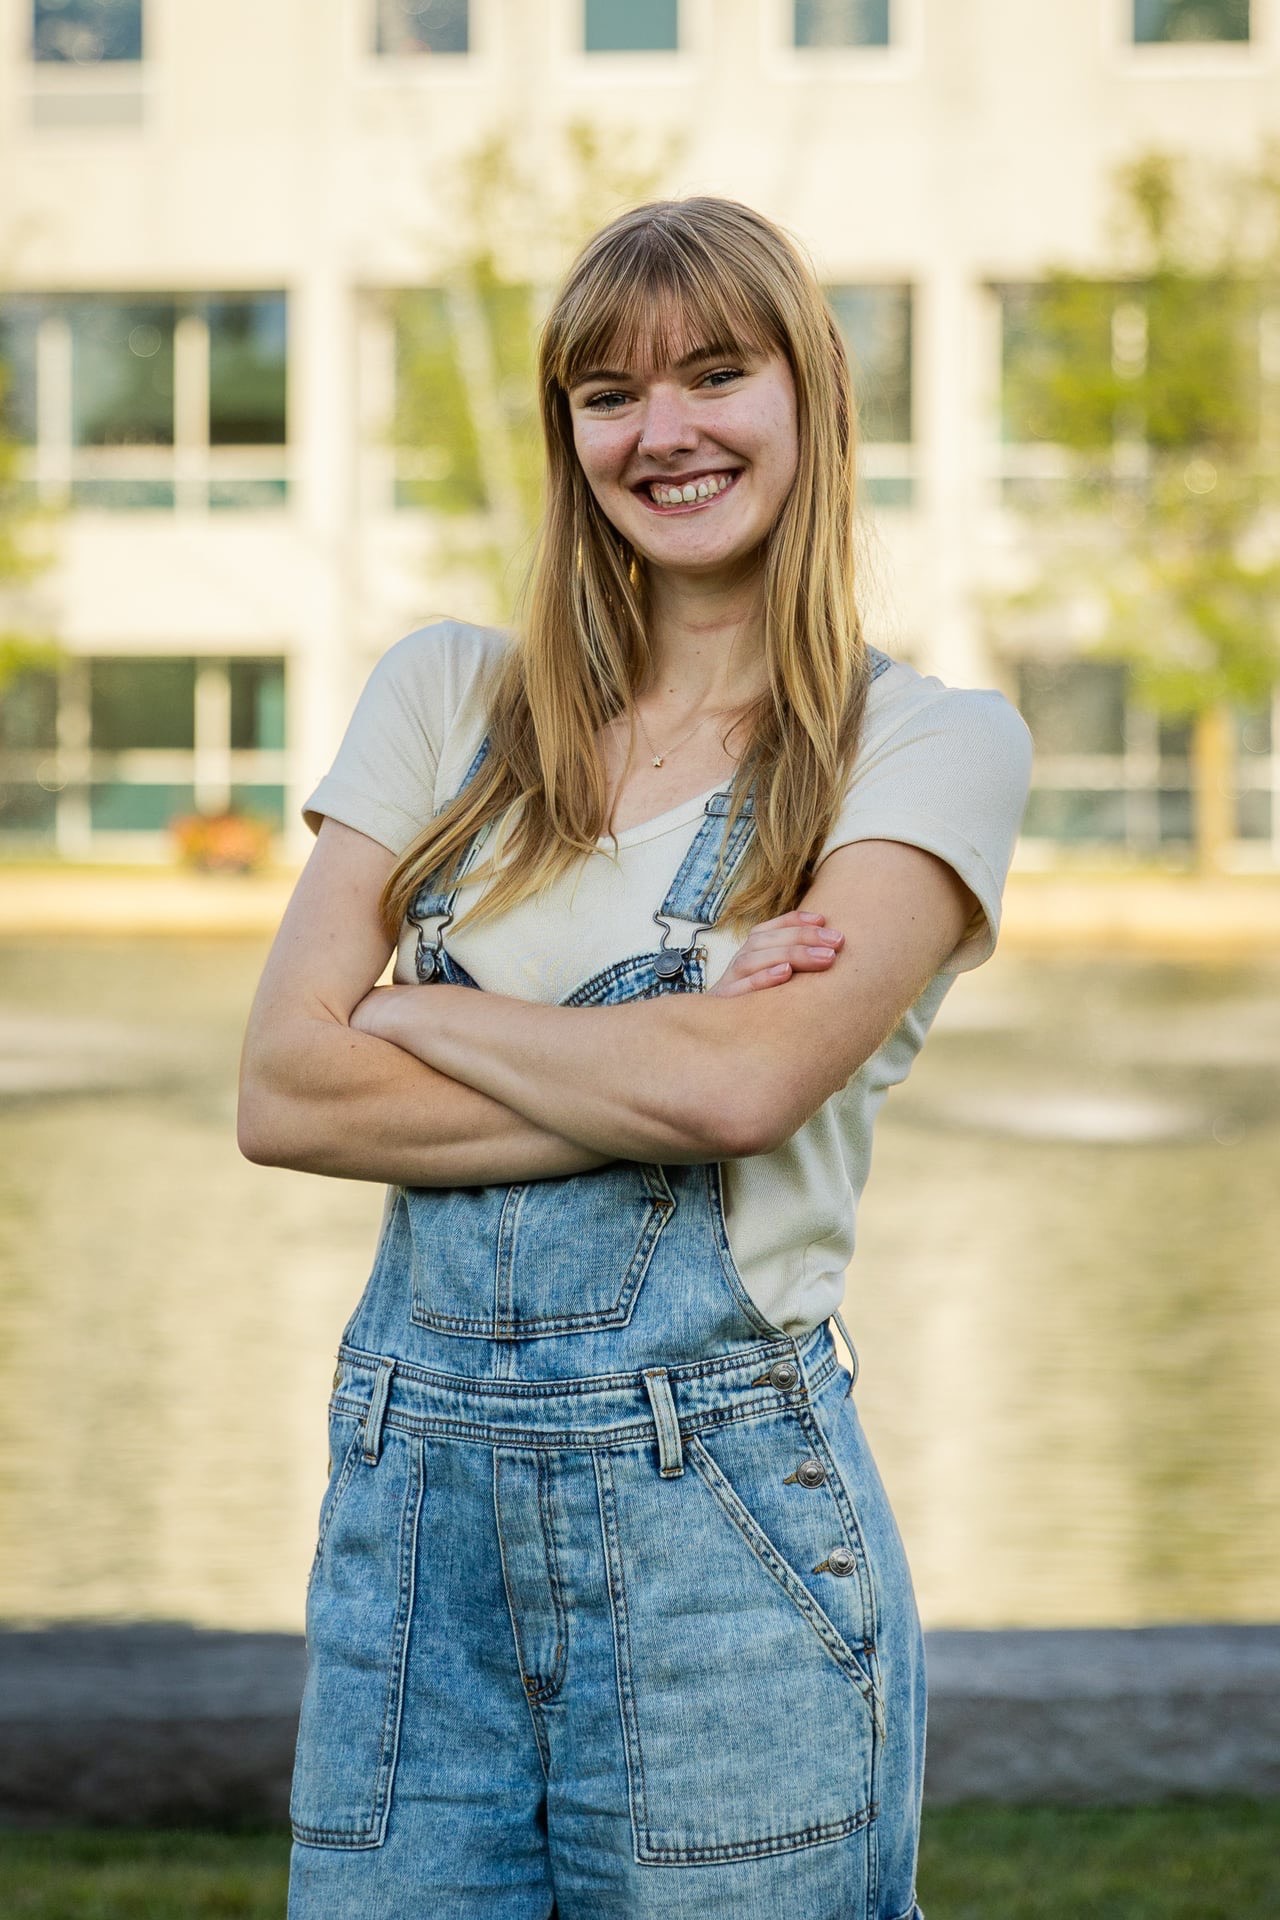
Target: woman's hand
<point x="375" y="1013"/>
<point x="793" y="943"/>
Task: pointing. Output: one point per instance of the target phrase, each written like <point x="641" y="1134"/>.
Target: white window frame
<point x="191" y="464"/>
<point x="474" y="69"/>
<point x="659" y="67"/>
<point x="782" y="59"/>
<point x="1189" y="59"/>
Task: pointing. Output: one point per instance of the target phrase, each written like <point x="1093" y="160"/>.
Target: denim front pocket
<point x="344" y="1452"/>
<point x="750" y="1724"/>
<point x="555" y="1256"/>
<point x="358" y="1610"/>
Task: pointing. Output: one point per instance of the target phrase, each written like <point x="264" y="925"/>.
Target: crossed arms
<point x="444" y="1086"/>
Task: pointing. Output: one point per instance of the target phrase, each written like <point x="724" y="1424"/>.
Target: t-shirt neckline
<point x="677" y="816"/>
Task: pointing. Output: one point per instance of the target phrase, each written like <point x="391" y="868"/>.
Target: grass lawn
<point x="1200" y="1860"/>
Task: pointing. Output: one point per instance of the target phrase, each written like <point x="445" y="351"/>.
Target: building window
<point x="121" y="372"/>
<point x="149" y="402"/>
<point x="1109" y="772"/>
<point x="125" y="744"/>
<point x="86" y="32"/>
<point x="422" y="26"/>
<point x="841" y="23"/>
<point x="631" y="26"/>
<point x="876" y="324"/>
<point x="18" y="375"/>
<point x="1164" y="20"/>
<point x="247" y="369"/>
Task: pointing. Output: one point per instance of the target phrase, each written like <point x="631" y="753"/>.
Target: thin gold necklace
<point x="658" y="758"/>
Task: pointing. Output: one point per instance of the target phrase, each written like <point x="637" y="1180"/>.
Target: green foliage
<point x="466" y="419"/>
<point x="22" y="646"/>
<point x="1155" y="378"/>
<point x="1194" y="1860"/>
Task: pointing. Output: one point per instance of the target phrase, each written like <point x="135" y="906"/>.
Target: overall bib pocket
<point x="357" y="1628"/>
<point x="557" y="1256"/>
<point x="723" y="1657"/>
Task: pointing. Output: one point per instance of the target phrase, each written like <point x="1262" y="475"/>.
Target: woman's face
<point x="690" y="461"/>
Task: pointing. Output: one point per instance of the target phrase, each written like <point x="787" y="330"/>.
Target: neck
<point x="707" y="637"/>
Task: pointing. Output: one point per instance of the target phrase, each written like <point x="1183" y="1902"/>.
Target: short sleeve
<point x="383" y="777"/>
<point x="953" y="778"/>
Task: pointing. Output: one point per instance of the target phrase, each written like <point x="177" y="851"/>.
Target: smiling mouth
<point x="674" y="496"/>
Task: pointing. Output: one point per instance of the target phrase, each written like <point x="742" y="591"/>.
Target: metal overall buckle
<point x="670" y="962"/>
<point x="428" y="963"/>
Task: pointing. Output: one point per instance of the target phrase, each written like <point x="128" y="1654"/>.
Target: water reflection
<point x="1064" y="1296"/>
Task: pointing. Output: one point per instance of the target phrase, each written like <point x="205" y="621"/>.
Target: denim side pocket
<point x="358" y="1610"/>
<point x="344" y="1452"/>
<point x="746" y="1729"/>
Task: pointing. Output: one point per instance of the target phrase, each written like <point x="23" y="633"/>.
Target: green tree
<point x="25" y="644"/>
<point x="466" y="426"/>
<point x="1161" y="380"/>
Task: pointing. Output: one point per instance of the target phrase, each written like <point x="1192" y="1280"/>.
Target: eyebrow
<point x="714" y="351"/>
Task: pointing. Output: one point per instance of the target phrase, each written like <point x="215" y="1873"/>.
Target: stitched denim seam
<point x="748" y="1527"/>
<point x="589" y="1386"/>
<point x="595" y="990"/>
<point x="539" y="1731"/>
<point x="504" y="1323"/>
<point x="339" y="1486"/>
<point x="637" y="1790"/>
<point x="560" y="1655"/>
<point x="638" y="1435"/>
<point x="855" y="1539"/>
<point x="373" y="1831"/>
<point x="817" y="1835"/>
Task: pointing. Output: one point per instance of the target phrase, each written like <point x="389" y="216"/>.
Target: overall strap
<point x="432" y="899"/>
<point x="715" y="853"/>
<point x="706" y="874"/>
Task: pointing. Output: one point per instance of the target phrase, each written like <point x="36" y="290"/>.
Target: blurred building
<point x="202" y="209"/>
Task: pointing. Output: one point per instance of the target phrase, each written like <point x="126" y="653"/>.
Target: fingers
<point x="753" y="982"/>
<point x="804" y="946"/>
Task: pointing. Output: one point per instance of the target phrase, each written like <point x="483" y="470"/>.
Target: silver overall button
<point x="839" y="1561"/>
<point x="811" y="1473"/>
<point x="784" y="1375"/>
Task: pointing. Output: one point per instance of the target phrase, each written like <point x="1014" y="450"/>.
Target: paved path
<point x="133" y="1724"/>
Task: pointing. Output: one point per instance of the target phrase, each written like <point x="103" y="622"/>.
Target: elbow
<point x="737" y="1121"/>
<point x="259" y="1135"/>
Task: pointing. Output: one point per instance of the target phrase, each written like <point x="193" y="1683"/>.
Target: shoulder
<point x="442" y="657"/>
<point x="916" y="714"/>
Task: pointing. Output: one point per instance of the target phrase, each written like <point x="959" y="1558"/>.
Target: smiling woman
<point x="609" y="1610"/>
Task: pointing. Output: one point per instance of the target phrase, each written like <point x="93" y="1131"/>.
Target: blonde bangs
<point x="638" y="304"/>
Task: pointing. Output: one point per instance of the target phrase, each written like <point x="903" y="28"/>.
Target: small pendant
<point x="658" y="761"/>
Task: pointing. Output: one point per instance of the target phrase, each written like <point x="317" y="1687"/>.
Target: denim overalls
<point x="609" y="1618"/>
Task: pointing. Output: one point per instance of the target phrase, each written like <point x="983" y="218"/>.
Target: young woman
<point x="609" y="1615"/>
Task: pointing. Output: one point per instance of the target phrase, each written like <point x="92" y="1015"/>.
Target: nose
<point x="666" y="428"/>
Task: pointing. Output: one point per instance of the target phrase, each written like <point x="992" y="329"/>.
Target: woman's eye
<point x="606" y="402"/>
<point x="723" y="374"/>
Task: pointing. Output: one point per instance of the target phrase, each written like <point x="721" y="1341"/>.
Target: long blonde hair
<point x="654" y="281"/>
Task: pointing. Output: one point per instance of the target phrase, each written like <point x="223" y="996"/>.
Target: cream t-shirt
<point x="939" y="767"/>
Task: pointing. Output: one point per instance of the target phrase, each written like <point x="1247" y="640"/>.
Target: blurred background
<point x="270" y="276"/>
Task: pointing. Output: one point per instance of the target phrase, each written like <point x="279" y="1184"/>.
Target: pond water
<point x="1065" y="1296"/>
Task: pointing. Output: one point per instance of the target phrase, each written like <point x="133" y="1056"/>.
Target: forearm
<point x="648" y="1080"/>
<point x="326" y="1099"/>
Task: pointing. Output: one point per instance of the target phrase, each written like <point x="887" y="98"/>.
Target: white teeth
<point x="676" y="496"/>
